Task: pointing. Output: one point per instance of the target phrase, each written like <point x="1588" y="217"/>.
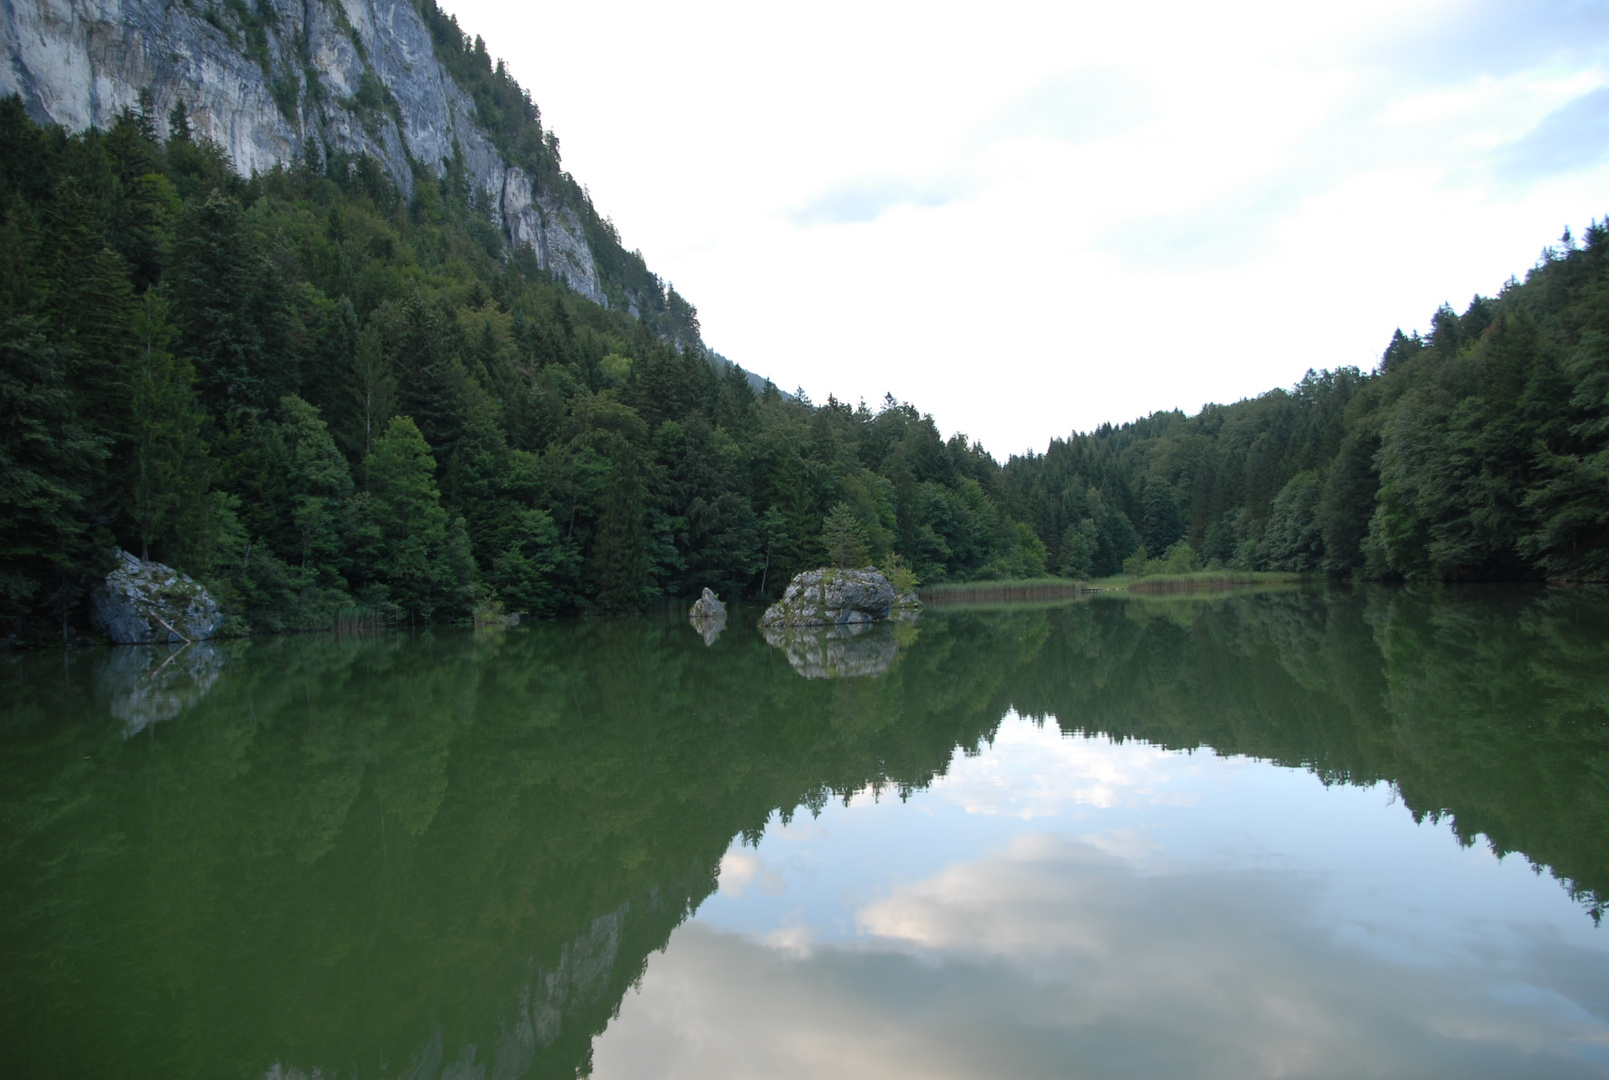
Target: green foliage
<point x="204" y="367"/>
<point x="1480" y="452"/>
<point x="168" y="459"/>
<point x="406" y="540"/>
<point x="1135" y="564"/>
<point x="1077" y="550"/>
<point x="619" y="558"/>
<point x="535" y="573"/>
<point x="1019" y="554"/>
<point x="1294" y="536"/>
<point x="1180" y="558"/>
<point x="900" y="576"/>
<point x="1160" y="512"/>
<point x="844" y="537"/>
<point x="48" y="464"/>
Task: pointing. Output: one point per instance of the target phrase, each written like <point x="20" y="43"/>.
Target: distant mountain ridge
<point x="278" y="82"/>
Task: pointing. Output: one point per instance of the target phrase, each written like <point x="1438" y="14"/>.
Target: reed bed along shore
<point x="995" y="592"/>
<point x="1050" y="589"/>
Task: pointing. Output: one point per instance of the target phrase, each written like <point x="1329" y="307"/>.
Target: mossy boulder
<point x="147" y="603"/>
<point x="831" y="597"/>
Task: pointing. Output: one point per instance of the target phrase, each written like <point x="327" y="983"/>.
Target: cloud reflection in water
<point x="1064" y="951"/>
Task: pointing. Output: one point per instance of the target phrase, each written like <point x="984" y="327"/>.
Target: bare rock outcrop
<point x="707" y="606"/>
<point x="832" y="597"/>
<point x="353" y="77"/>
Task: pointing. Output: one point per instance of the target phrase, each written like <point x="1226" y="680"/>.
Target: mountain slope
<point x="277" y="82"/>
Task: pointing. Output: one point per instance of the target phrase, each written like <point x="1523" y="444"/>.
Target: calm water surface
<point x="1285" y="834"/>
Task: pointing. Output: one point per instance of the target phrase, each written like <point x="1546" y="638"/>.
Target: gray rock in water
<point x="708" y="616"/>
<point x="907" y="606"/>
<point x="707" y="606"/>
<point x="148" y="603"/>
<point x="845" y="651"/>
<point x="832" y="598"/>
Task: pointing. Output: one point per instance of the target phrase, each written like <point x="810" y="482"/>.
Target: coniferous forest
<point x="318" y="397"/>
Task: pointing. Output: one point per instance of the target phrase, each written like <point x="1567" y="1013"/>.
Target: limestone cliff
<point x="282" y="81"/>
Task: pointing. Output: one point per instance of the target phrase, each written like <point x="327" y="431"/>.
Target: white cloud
<point x="1033" y="771"/>
<point x="1036" y="217"/>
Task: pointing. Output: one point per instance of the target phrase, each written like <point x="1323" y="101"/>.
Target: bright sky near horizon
<point x="1031" y="218"/>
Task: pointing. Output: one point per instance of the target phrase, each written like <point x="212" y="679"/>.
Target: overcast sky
<point x="1029" y="218"/>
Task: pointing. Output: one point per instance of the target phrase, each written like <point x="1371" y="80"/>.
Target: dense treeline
<point x="314" y="395"/>
<point x="1480" y="452"/>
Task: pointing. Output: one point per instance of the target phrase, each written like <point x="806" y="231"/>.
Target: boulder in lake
<point x="147" y="603"/>
<point x="708" y="616"/>
<point x="707" y="606"/>
<point x="831" y="597"/>
<point x="907" y="606"/>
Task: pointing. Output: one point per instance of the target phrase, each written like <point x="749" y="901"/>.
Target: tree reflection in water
<point x="409" y="854"/>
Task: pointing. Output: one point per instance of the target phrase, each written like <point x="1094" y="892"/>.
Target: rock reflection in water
<point x="150" y="683"/>
<point x="846" y="651"/>
<point x="709" y="627"/>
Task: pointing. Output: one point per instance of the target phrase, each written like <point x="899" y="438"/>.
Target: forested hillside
<point x="317" y="396"/>
<point x="314" y="396"/>
<point x="1480" y="452"/>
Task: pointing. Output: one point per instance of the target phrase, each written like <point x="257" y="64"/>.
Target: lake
<point x="1296" y="833"/>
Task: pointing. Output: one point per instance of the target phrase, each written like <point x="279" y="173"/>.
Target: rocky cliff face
<point x="280" y="81"/>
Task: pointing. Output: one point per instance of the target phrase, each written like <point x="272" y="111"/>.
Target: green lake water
<point x="1289" y="833"/>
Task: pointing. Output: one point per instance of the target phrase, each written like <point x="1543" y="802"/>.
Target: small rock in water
<point x="706" y="606"/>
<point x="708" y="616"/>
<point x="907" y="606"/>
<point x="831" y="597"/>
<point x="145" y="602"/>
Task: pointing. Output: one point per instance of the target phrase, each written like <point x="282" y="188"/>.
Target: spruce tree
<point x="214" y="277"/>
<point x="423" y="366"/>
<point x="317" y="481"/>
<point x="49" y="463"/>
<point x="844" y="537"/>
<point x="168" y="464"/>
<point x="619" y="563"/>
<point x="371" y="394"/>
<point x="404" y="533"/>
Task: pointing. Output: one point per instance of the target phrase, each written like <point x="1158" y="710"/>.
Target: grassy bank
<point x="1031" y="590"/>
<point x="996" y="592"/>
<point x="1199" y="580"/>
